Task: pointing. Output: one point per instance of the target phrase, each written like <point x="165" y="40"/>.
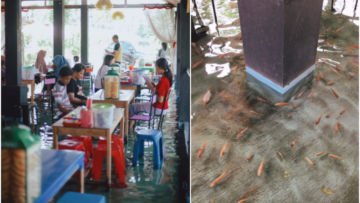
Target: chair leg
<point x="136" y="152"/>
<point x="156" y="155"/>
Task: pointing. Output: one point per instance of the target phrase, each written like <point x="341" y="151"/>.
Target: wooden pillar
<point x="58" y="27"/>
<point x="183" y="61"/>
<point x="84" y="31"/>
<point x="13" y="53"/>
<point x="14" y="109"/>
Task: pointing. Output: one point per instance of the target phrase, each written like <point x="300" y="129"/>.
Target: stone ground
<point x="288" y="130"/>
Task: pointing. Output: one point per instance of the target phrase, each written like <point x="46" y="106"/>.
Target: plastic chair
<point x="149" y="135"/>
<point x="69" y="144"/>
<point x="117" y="154"/>
<point x="75" y="197"/>
<point x="144" y="117"/>
<point x="87" y="141"/>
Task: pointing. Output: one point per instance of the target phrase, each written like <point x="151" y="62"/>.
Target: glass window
<point x="37" y="34"/>
<point x="135" y="35"/>
<point x="72" y="34"/>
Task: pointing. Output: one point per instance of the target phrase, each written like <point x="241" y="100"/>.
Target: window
<point x="72" y="33"/>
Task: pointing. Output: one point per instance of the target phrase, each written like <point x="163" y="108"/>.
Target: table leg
<point x="82" y="176"/>
<point x="55" y="138"/>
<point x="32" y="92"/>
<point x="108" y="157"/>
<point x="122" y="127"/>
<point x="126" y="119"/>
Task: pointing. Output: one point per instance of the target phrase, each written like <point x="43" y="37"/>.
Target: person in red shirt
<point x="161" y="91"/>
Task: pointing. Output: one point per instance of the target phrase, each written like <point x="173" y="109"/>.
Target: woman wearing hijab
<point x="59" y="62"/>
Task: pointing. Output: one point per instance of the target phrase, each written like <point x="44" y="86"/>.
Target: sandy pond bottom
<point x="316" y="120"/>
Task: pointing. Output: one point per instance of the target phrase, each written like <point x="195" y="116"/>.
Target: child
<point x="99" y="83"/>
<point x="161" y="90"/>
<point x="74" y="89"/>
<point x="59" y="91"/>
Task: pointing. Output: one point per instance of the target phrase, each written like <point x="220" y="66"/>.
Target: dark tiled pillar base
<point x="273" y="94"/>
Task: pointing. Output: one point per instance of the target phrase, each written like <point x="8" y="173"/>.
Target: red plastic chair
<point x="87" y="141"/>
<point x="118" y="155"/>
<point x="69" y="144"/>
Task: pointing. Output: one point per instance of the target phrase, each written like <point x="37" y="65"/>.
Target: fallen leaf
<point x="328" y="115"/>
<point x="207" y="97"/>
<point x="241" y="133"/>
<point x="342" y="112"/>
<point x="219" y="179"/>
<point x="201" y="150"/>
<point x="261" y="168"/>
<point x="333" y="156"/>
<point x="334" y="93"/>
<point x="309" y="161"/>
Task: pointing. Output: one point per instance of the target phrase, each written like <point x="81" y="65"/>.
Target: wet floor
<point x="241" y="129"/>
<point x="144" y="183"/>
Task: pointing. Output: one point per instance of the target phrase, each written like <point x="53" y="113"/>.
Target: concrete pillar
<point x="84" y="31"/>
<point x="280" y="39"/>
<point x="58" y="27"/>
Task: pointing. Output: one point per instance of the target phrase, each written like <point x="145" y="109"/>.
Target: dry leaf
<point x="201" y="150"/>
<point x="261" y="168"/>
<point x="196" y="64"/>
<point x="241" y="133"/>
<point x="207" y="97"/>
<point x="247" y="194"/>
<point x="342" y="112"/>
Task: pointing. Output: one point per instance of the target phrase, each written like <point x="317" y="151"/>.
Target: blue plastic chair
<point x="75" y="197"/>
<point x="149" y="135"/>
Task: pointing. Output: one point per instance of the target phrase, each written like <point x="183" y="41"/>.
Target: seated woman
<point x="161" y="90"/>
<point x="60" y="93"/>
<point x="74" y="88"/>
<point x="99" y="79"/>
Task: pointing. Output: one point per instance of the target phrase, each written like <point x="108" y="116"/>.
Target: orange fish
<point x="320" y="153"/>
<point x="334" y="93"/>
<point x="261" y="168"/>
<point x="317" y="121"/>
<point x="201" y="150"/>
<point x="224" y="149"/>
<point x="310" y="162"/>
<point x="218" y="179"/>
<point x="281" y="104"/>
<point x="207" y="97"/>
<point x="337" y="127"/>
<point x="334" y="156"/>
<point x="241" y="133"/>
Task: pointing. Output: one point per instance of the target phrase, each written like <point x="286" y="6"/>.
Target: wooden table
<point x="32" y="84"/>
<point x="58" y="166"/>
<point x="125" y="98"/>
<point x="58" y="128"/>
